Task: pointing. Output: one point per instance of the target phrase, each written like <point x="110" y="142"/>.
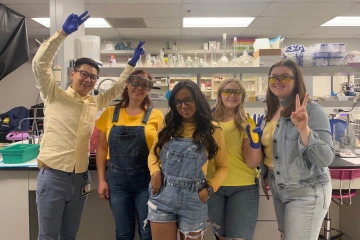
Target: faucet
<point x="96" y="91"/>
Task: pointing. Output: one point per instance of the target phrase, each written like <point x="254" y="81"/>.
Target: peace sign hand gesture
<point x="300" y="117"/>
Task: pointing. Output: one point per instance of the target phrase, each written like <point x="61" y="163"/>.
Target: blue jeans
<point x="233" y="211"/>
<point x="128" y="199"/>
<point x="60" y="203"/>
<point x="301" y="211"/>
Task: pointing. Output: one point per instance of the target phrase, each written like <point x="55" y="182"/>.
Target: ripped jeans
<point x="233" y="211"/>
<point x="179" y="202"/>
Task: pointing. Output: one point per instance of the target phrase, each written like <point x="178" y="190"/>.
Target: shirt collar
<point x="76" y="94"/>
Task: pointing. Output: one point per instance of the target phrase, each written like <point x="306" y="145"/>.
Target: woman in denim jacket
<point x="178" y="166"/>
<point x="298" y="150"/>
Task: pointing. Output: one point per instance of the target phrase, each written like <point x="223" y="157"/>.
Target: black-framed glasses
<point x="137" y="81"/>
<point x="85" y="75"/>
<point x="187" y="101"/>
<point x="228" y="92"/>
<point x="283" y="79"/>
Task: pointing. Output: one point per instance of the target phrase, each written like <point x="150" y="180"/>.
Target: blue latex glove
<point x="137" y="53"/>
<point x="254" y="131"/>
<point x="168" y="94"/>
<point x="73" y="21"/>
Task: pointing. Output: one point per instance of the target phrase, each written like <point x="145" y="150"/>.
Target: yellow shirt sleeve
<point x="153" y="161"/>
<point x="102" y="122"/>
<point x="42" y="64"/>
<point x="220" y="160"/>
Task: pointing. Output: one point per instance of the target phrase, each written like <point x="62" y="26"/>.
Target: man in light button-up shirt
<point x="63" y="180"/>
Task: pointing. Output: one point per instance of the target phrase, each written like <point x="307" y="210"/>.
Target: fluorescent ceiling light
<point x="90" y="23"/>
<point x="217" y="22"/>
<point x="43" y="21"/>
<point x="343" y="21"/>
<point x="96" y="23"/>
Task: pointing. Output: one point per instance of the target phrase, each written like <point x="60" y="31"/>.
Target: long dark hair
<point x="272" y="102"/>
<point x="125" y="99"/>
<point x="204" y="127"/>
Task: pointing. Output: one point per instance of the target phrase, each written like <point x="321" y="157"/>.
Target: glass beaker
<point x="223" y="61"/>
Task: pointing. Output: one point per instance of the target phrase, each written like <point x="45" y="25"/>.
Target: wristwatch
<point x="210" y="189"/>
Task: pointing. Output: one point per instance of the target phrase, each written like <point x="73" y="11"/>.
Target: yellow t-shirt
<point x="267" y="142"/>
<point x="105" y="123"/>
<point x="240" y="174"/>
<point x="220" y="158"/>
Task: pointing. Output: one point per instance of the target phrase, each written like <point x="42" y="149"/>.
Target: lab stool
<point x="339" y="196"/>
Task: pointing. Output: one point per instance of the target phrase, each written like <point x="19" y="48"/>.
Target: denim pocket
<point x="155" y="195"/>
<point x="198" y="197"/>
<point x="40" y="185"/>
<point x="181" y="165"/>
<point x="126" y="145"/>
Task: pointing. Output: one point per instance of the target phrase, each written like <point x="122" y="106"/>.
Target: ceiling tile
<point x="273" y="32"/>
<point x="354" y="11"/>
<point x="134" y="1"/>
<point x="138" y="10"/>
<point x="102" y="32"/>
<point x="322" y="1"/>
<point x="32" y="10"/>
<point x="38" y="32"/>
<point x="214" y="32"/>
<point x="225" y="1"/>
<point x="310" y="36"/>
<point x="289" y="21"/>
<point x="32" y="24"/>
<point x="223" y="10"/>
<point x="334" y="30"/>
<point x="306" y="9"/>
<point x="163" y="22"/>
<point x="11" y="2"/>
<point x="148" y="31"/>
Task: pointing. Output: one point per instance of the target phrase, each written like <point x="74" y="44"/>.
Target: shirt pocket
<point x="91" y="112"/>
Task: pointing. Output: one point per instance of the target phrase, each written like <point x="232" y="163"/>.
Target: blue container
<point x="19" y="153"/>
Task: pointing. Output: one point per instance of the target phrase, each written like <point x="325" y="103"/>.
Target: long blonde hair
<point x="219" y="111"/>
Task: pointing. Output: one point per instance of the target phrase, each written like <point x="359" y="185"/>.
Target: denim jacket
<point x="296" y="165"/>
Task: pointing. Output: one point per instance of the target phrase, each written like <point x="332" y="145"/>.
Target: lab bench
<point x="18" y="214"/>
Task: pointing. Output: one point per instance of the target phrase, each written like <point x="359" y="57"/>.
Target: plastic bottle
<point x="112" y="60"/>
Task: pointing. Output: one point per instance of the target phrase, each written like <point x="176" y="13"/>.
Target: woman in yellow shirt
<point x="178" y="166"/>
<point x="233" y="209"/>
<point x="128" y="130"/>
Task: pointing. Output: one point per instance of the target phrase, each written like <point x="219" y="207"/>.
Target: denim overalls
<point x="183" y="177"/>
<point x="129" y="177"/>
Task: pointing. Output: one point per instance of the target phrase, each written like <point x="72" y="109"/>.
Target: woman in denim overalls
<point x="179" y="190"/>
<point x="128" y="130"/>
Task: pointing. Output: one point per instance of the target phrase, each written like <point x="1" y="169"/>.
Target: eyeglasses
<point x="228" y="92"/>
<point x="283" y="79"/>
<point x="85" y="75"/>
<point x="187" y="101"/>
<point x="136" y="81"/>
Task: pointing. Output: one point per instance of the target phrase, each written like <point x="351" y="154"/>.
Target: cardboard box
<point x="266" y="61"/>
<point x="267" y="52"/>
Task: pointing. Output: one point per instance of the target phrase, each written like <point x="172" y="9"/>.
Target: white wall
<point x="18" y="89"/>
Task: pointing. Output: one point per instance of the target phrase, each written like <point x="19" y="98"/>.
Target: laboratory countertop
<point x="32" y="165"/>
